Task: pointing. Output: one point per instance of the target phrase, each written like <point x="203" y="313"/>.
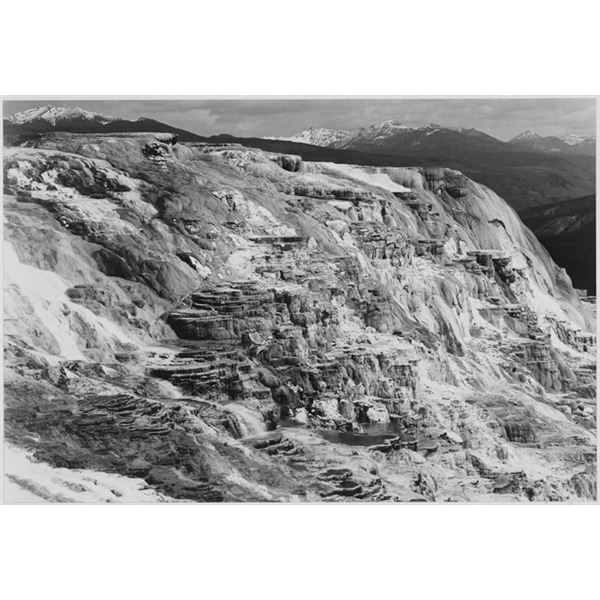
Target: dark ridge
<point x="568" y="231"/>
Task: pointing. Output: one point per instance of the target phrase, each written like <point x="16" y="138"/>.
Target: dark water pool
<point x="370" y="434"/>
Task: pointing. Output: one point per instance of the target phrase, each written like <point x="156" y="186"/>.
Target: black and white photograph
<point x="299" y="300"/>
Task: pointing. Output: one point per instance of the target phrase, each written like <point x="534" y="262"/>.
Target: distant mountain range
<point x="396" y="137"/>
<point x="528" y="170"/>
<point x="393" y="137"/>
<point x="569" y="144"/>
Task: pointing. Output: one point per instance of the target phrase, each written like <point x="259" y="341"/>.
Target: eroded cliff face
<point x="218" y="323"/>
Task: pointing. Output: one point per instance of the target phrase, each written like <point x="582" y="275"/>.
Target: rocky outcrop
<point x="288" y="162"/>
<point x="518" y="431"/>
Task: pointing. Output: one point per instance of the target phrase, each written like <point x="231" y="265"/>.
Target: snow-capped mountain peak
<point x="570" y="144"/>
<point x="319" y="136"/>
<point x="391" y="124"/>
<point x="56" y="115"/>
<point x="525" y="136"/>
<point x="573" y="139"/>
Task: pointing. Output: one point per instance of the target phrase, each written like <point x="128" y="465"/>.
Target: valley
<point x="568" y="231"/>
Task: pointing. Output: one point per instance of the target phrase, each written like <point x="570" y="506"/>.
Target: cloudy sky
<point x="502" y="118"/>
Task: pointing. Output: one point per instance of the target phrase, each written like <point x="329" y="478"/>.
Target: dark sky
<point x="500" y="117"/>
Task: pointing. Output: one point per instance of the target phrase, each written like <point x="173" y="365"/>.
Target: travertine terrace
<point x="192" y="322"/>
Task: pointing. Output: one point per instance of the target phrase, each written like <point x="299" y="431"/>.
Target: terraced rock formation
<point x="217" y="323"/>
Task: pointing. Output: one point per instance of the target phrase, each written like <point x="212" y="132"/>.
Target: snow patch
<point x="30" y="482"/>
<point x="57" y="114"/>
